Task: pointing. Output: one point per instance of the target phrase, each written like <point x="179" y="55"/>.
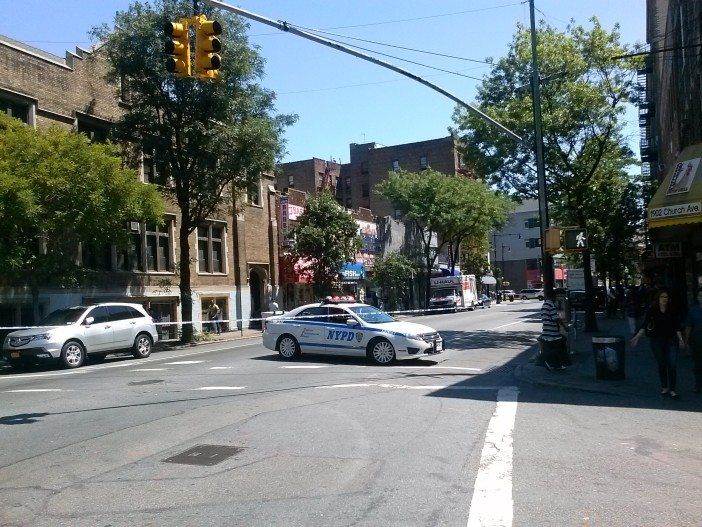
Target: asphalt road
<point x="337" y="441"/>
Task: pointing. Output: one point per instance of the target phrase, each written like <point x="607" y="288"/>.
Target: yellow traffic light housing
<point x="178" y="46"/>
<point x="207" y="45"/>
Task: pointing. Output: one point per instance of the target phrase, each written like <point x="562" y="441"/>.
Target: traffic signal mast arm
<point x="283" y="26"/>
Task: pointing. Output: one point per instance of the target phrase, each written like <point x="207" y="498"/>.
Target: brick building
<point x="670" y="118"/>
<point x="235" y="263"/>
<point x="308" y="175"/>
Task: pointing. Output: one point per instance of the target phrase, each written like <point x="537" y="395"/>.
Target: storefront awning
<point x="679" y="198"/>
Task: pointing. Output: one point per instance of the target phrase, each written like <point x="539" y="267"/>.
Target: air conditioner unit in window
<point x="135" y="226"/>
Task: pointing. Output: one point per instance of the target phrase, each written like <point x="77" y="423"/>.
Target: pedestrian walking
<point x="553" y="343"/>
<point x="632" y="309"/>
<point x="662" y="326"/>
<point x="214" y="314"/>
<point x="693" y="339"/>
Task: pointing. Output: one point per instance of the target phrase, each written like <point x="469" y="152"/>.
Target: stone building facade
<point x="235" y="255"/>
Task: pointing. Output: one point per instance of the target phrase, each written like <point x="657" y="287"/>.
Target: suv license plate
<point x="438" y="345"/>
<point x="15" y="354"/>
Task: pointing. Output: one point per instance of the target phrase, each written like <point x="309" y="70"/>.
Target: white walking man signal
<point x="580" y="239"/>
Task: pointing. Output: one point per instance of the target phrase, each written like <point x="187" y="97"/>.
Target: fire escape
<point x="647" y="110"/>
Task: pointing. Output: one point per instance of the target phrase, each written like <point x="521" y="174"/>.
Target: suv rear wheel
<point x="142" y="346"/>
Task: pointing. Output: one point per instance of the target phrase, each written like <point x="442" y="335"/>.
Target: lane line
<point x="212" y="388"/>
<point x="151" y="369"/>
<point x="37" y="390"/>
<point x="409" y="386"/>
<point x="505" y="325"/>
<point x="303" y="367"/>
<point x="184" y="362"/>
<point x="430" y="368"/>
<point x="492" y="504"/>
<point x="222" y="367"/>
<point x="125" y="364"/>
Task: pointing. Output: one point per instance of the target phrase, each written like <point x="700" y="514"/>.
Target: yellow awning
<point x="678" y="200"/>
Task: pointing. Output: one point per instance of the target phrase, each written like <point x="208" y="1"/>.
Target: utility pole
<point x="547" y="259"/>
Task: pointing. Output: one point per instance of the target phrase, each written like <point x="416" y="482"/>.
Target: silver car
<point x="72" y="334"/>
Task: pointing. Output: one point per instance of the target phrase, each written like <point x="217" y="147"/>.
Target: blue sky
<point x="340" y="99"/>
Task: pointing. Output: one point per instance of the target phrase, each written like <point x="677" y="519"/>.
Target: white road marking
<point x="429" y="368"/>
<point x="221" y="367"/>
<point x="410" y="386"/>
<point x="492" y="504"/>
<point x="505" y="325"/>
<point x="125" y="364"/>
<point x="37" y="390"/>
<point x="185" y="362"/>
<point x="151" y="369"/>
<point x="209" y="388"/>
<point x="303" y="367"/>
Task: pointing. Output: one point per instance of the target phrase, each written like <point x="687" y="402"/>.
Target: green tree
<point x="326" y="236"/>
<point x="212" y="140"/>
<point x="444" y="210"/>
<point x="392" y="273"/>
<point x="58" y="190"/>
<point x="584" y="90"/>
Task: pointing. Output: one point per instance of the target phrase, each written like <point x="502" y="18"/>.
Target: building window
<point x="291" y="180"/>
<point x="253" y="193"/>
<point x="210" y="249"/>
<point x="97" y="257"/>
<point x="396" y="165"/>
<point x="532" y="243"/>
<point x="129" y="258"/>
<point x="97" y="133"/>
<point x="154" y="170"/>
<point x="348" y="183"/>
<point x="423" y="163"/>
<point x="532" y="223"/>
<point x="17" y="110"/>
<point x="532" y="264"/>
<point x="365" y="189"/>
<point x="158" y="247"/>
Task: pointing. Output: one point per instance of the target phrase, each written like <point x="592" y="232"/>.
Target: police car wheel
<point x="381" y="352"/>
<point x="288" y="348"/>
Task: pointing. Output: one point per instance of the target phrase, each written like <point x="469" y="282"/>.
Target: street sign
<point x="576" y="279"/>
<point x="575" y="239"/>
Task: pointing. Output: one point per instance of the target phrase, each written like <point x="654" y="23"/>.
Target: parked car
<point x="531" y="294"/>
<point x="507" y="294"/>
<point x="484" y="301"/>
<point x="342" y="326"/>
<point x="70" y="335"/>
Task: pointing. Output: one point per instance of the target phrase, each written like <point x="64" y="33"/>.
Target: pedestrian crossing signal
<point x="575" y="239"/>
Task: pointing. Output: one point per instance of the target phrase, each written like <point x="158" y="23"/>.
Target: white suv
<point x="71" y="334"/>
<point x="529" y="294"/>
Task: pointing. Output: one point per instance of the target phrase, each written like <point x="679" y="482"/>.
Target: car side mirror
<point x="352" y="322"/>
<point x="89" y="321"/>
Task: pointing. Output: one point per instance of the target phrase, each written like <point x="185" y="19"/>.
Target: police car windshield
<point x="371" y="315"/>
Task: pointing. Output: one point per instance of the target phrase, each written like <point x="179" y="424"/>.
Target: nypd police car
<point x="341" y="326"/>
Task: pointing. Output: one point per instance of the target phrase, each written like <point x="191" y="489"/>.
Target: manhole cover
<point x="204" y="455"/>
<point x="144" y="383"/>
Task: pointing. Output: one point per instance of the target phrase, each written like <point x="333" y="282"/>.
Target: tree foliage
<point x="584" y="93"/>
<point x="392" y="273"/>
<point x="326" y="236"/>
<point x="58" y="190"/>
<point x="210" y="139"/>
<point x="446" y="210"/>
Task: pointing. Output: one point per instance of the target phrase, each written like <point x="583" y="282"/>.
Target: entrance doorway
<point x="256" y="283"/>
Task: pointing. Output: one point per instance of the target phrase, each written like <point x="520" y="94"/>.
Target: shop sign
<point x="284" y="221"/>
<point x="683" y="176"/>
<point x="353" y="271"/>
<point x="668" y="249"/>
<point x="295" y="211"/>
<point x="674" y="211"/>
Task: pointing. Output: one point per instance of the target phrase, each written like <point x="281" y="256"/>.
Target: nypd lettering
<point x="341" y="334"/>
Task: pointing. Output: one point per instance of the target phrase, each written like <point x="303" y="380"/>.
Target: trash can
<point x="609" y="358"/>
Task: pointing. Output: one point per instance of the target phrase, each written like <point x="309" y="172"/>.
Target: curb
<point x="164" y="346"/>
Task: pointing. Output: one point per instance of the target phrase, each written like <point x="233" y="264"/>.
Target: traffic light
<point x="178" y="46"/>
<point x="575" y="239"/>
<point x="207" y="45"/>
<point x="553" y="239"/>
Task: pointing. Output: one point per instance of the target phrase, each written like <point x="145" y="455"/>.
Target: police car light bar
<point x="339" y="299"/>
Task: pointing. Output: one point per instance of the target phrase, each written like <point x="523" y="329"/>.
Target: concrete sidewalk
<point x="211" y="338"/>
<point x="640" y="367"/>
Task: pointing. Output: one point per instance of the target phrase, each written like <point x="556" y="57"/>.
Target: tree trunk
<point x="427" y="283"/>
<point x="35" y="304"/>
<point x="186" y="295"/>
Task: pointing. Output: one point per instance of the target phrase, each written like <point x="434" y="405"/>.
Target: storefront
<point x="675" y="227"/>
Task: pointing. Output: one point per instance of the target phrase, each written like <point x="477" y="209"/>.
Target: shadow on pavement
<point x="21" y="419"/>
